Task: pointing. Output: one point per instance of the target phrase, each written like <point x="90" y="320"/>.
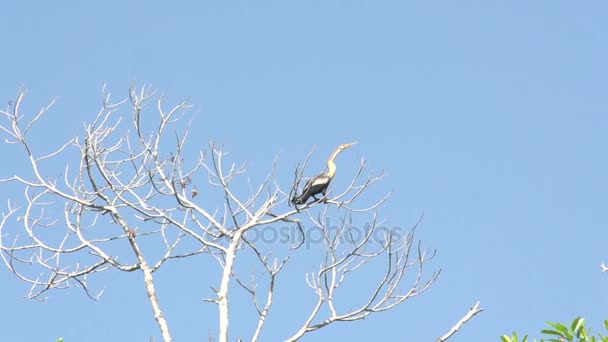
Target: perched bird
<point x="319" y="183"/>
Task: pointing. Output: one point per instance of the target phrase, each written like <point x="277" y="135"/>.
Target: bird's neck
<point x="331" y="166"/>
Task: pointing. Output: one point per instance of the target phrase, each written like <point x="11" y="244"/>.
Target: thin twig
<point x="470" y="314"/>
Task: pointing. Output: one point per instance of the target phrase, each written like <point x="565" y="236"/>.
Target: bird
<point x="319" y="183"/>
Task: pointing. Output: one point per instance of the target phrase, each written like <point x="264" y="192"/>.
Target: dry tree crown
<point x="134" y="201"/>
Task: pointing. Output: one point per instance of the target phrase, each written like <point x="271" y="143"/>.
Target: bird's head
<point x="340" y="149"/>
<point x="345" y="146"/>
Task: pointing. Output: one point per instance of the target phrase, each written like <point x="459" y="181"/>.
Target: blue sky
<point x="488" y="116"/>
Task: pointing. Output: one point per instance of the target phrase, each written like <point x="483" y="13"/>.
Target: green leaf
<point x="565" y="333"/>
<point x="506" y="338"/>
<point x="551" y="332"/>
<point x="578" y="327"/>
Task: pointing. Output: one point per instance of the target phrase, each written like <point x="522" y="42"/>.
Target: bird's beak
<point x="351" y="144"/>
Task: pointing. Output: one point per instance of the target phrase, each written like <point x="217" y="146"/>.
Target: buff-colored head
<point x="345" y="146"/>
<point x="340" y="149"/>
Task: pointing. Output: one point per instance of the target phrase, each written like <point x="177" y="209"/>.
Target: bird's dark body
<point x="318" y="184"/>
<point x="315" y="186"/>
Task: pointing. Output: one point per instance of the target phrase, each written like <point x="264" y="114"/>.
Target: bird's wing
<point x="318" y="179"/>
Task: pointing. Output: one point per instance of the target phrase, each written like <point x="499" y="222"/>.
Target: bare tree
<point x="135" y="188"/>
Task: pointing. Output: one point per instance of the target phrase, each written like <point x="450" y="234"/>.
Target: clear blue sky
<point x="491" y="117"/>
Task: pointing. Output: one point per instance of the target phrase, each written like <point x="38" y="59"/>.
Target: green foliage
<point x="60" y="339"/>
<point x="514" y="338"/>
<point x="576" y="332"/>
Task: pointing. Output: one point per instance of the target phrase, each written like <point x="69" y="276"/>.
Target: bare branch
<point x="470" y="314"/>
